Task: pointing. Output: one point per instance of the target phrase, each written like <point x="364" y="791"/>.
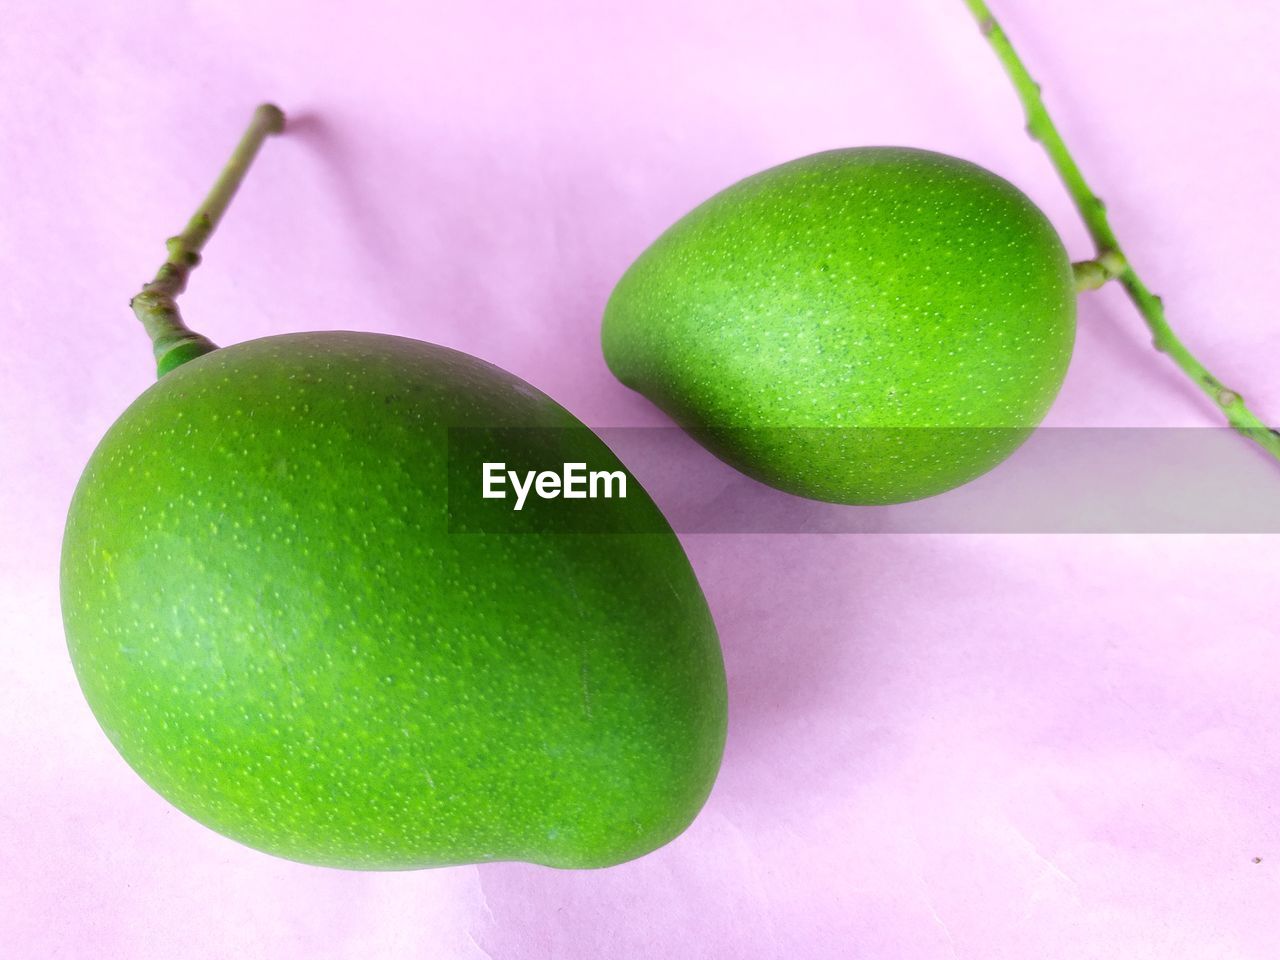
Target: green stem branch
<point x="157" y="305"/>
<point x="1110" y="262"/>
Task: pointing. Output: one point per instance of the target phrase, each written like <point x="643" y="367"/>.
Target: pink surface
<point x="940" y="746"/>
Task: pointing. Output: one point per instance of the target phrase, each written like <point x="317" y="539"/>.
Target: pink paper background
<point x="940" y="746"/>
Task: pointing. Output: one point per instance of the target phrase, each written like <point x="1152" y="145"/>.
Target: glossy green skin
<point x="273" y="625"/>
<point x="861" y="326"/>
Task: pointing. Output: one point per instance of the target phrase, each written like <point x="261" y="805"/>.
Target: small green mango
<point x="869" y="326"/>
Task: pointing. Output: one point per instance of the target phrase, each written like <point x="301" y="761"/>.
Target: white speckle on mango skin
<point x="871" y="325"/>
<point x="273" y="624"/>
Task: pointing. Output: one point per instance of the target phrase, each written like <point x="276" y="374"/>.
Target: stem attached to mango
<point x="157" y="305"/>
<point x="1092" y="274"/>
<point x="1111" y="262"/>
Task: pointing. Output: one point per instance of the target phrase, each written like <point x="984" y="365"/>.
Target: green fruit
<point x="862" y="326"/>
<point x="276" y="626"/>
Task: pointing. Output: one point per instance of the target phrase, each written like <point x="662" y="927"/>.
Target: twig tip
<point x="272" y="117"/>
